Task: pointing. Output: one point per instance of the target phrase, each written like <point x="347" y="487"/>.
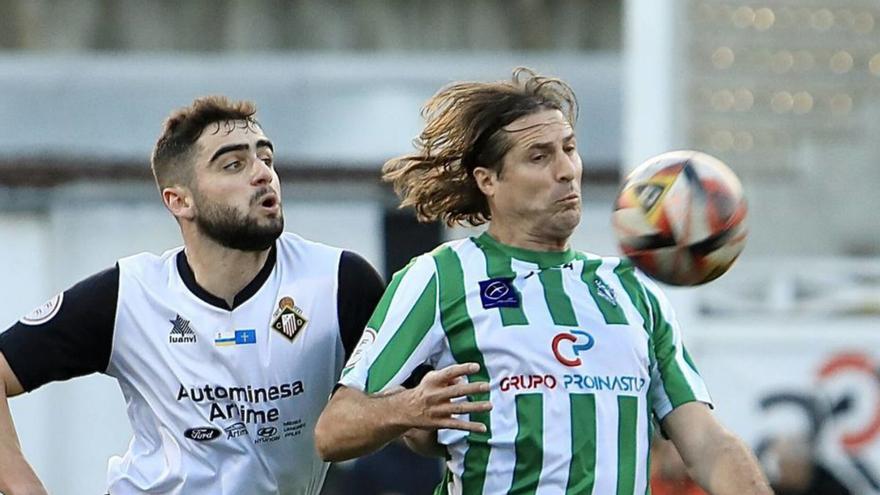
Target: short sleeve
<point x="359" y="290"/>
<point x="68" y="336"/>
<point x="674" y="376"/>
<point x="403" y="332"/>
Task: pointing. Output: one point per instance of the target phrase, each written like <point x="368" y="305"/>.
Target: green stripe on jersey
<point x="675" y="383"/>
<point x="582" y="470"/>
<point x="611" y="311"/>
<point x="688" y="360"/>
<point x="558" y="301"/>
<point x="635" y="292"/>
<point x="627" y="443"/>
<point x="633" y="289"/>
<point x="443" y="487"/>
<point x="405" y="340"/>
<point x="381" y="310"/>
<point x="529" y="446"/>
<point x="498" y="266"/>
<point x="463" y="344"/>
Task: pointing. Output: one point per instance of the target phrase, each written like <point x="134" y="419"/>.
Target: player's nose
<point x="262" y="173"/>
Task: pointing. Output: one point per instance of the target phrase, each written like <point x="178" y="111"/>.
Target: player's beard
<point x="236" y="230"/>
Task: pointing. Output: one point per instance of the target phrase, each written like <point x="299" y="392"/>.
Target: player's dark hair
<point x="462" y="132"/>
<point x="172" y="156"/>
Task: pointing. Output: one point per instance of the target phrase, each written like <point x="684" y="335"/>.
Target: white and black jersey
<point x="222" y="400"/>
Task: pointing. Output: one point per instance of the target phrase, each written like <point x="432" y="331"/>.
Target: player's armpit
<point x="8" y="380"/>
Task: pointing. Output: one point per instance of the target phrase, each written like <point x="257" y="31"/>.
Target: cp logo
<point x="496" y="290"/>
<point x="580" y="342"/>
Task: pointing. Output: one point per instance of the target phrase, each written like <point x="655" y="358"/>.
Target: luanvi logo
<point x="181" y="331"/>
<point x="202" y="433"/>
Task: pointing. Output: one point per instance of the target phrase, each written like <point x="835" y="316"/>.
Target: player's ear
<point x="179" y="201"/>
<point x="486" y="178"/>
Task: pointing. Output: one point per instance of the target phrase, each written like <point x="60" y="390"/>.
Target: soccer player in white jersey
<point x="225" y="349"/>
<point x="550" y="362"/>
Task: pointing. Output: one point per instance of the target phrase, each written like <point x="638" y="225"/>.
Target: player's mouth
<point x="571" y="199"/>
<point x="270" y="203"/>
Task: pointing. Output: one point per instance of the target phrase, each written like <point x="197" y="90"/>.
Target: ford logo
<point x="202" y="433"/>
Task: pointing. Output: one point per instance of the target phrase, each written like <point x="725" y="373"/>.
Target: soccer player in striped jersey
<point x="551" y="362"/>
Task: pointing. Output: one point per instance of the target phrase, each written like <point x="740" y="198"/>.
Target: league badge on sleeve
<point x="44" y="312"/>
<point x="288" y="318"/>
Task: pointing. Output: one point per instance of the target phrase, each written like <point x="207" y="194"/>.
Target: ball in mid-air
<point x="680" y="217"/>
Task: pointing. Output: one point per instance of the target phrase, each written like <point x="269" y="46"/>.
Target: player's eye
<point x="234" y="165"/>
<point x="538" y="157"/>
<point x="268" y="161"/>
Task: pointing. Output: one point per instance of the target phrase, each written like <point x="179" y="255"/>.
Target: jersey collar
<point x="544" y="259"/>
<point x="189" y="279"/>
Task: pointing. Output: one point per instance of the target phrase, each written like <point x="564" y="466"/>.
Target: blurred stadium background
<point x="785" y="91"/>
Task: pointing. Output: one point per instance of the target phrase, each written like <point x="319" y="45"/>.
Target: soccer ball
<point x="680" y="217"/>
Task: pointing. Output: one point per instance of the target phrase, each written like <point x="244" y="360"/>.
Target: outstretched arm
<point x="354" y="423"/>
<point x="716" y="458"/>
<point x="16" y="475"/>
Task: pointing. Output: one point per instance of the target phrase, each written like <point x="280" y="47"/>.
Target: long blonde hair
<point x="462" y="127"/>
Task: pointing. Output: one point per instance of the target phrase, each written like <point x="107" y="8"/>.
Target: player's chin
<point x="566" y="219"/>
<point x="273" y="221"/>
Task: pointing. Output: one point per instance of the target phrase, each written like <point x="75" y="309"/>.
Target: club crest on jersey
<point x="498" y="293"/>
<point x="605" y="292"/>
<point x="288" y="318"/>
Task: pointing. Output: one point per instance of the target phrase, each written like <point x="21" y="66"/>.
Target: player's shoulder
<point x="288" y="242"/>
<point x="146" y="263"/>
<point x="619" y="264"/>
<point x="428" y="263"/>
<point x="622" y="267"/>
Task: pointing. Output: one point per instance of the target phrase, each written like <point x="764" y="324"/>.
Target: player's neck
<point x="516" y="235"/>
<point x="221" y="271"/>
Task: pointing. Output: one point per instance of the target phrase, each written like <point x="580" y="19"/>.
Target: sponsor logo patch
<point x="288" y="318"/>
<point x="498" y="293"/>
<point x="293" y="428"/>
<point x="202" y="433"/>
<point x="235" y="430"/>
<point x="527" y="382"/>
<point x="44" y="312"/>
<point x="181" y="331"/>
<point x="568" y="346"/>
<point x="267" y="434"/>
<point x="599" y="383"/>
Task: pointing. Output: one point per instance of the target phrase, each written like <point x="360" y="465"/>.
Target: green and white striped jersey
<point x="578" y="349"/>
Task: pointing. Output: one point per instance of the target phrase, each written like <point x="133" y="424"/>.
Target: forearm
<point x="16" y="475"/>
<point x="355" y="424"/>
<point x="727" y="466"/>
